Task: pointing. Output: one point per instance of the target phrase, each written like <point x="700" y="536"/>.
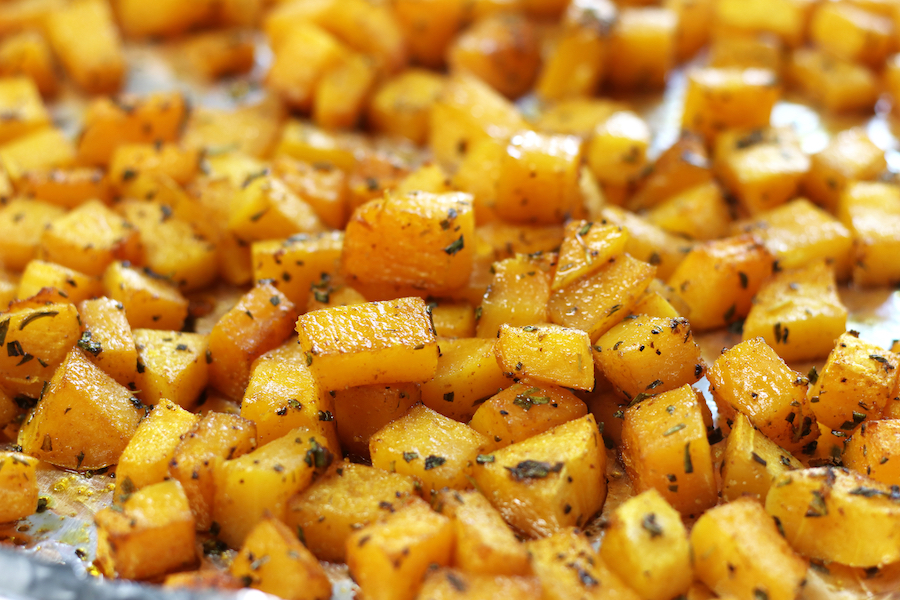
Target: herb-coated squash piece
<point x="64" y="284"/>
<point x="349" y="496"/>
<point x="695" y="21"/>
<point x="274" y="561"/>
<point x="586" y="248"/>
<point x="151" y="534"/>
<point x="452" y="584"/>
<point x="150" y="300"/>
<point x="683" y="166"/>
<point x="453" y="319"/>
<point x="389" y="558"/>
<point x="484" y="542"/>
<point x="617" y="151"/>
<point x="95" y="62"/>
<point x="84" y="419"/>
<point x="22" y="223"/>
<point x="826" y="513"/>
<point x="649" y="355"/>
<point x="164" y="19"/>
<point x="870" y="449"/>
<point x="642" y="48"/>
<point x="435" y="449"/>
<point x="752" y="379"/>
<point x="665" y="448"/>
<point x="216" y="54"/>
<point x="302" y="140"/>
<point x="18" y="486"/>
<point x="752" y="461"/>
<point x="700" y="213"/>
<point x="852" y="33"/>
<point x="217" y="437"/>
<point x="855" y="384"/>
<point x="646" y="545"/>
<point x="300" y="60"/>
<point x="548" y="482"/>
<point x="401" y="105"/>
<point x="577" y="116"/>
<point x="429" y="28"/>
<point x="322" y="185"/>
<point x="343" y="91"/>
<point x="376" y="342"/>
<point x="131" y="161"/>
<point x="171" y="365"/>
<point x="517" y="295"/>
<point x="871" y="211"/>
<point x="260" y="321"/>
<point x="787" y="19"/>
<point x="265" y="208"/>
<point x="850" y="156"/>
<point x="838" y="85"/>
<point x="648" y="242"/>
<point x="547" y="353"/>
<point x="27" y="54"/>
<point x="295" y="263"/>
<point x="146" y="458"/>
<point x="737" y="550"/>
<point x="361" y="411"/>
<point x="20" y="97"/>
<point x="38" y="150"/>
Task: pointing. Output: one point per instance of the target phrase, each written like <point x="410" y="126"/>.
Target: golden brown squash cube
<point x="568" y="567"/>
<point x="871" y="211"/>
<point x="824" y="511"/>
<point x="379" y="247"/>
<point x="641" y="48"/>
<point x="450" y="584"/>
<point x="219" y="53"/>
<point x="343" y="91"/>
<point x="547" y="353"/>
<point x="798" y="313"/>
<point x="517" y="295"/>
<point x="737" y="550"/>
<point x="646" y="545"/>
<point x="548" y="482"/>
<point x="577" y="116"/>
<point x="361" y="411"/>
<point x="28" y="54"/>
<point x="304" y="141"/>
<point x="260" y="321"/>
<point x="453" y="319"/>
<point x="786" y="19"/>
<point x="171" y="365"/>
<point x="752" y="462"/>
<point x="376" y="342"/>
<point x="649" y="355"/>
<point x="617" y="150"/>
<point x="39" y="150"/>
<point x="389" y="559"/>
<point x="752" y="379"/>
<point x="401" y="105"/>
<point x="719" y="99"/>
<point x="18" y="486"/>
<point x="130" y="162"/>
<point x="22" y="223"/>
<point x="694" y="20"/>
<point x="146" y="458"/>
<point x="166" y="18"/>
<point x="855" y="384"/>
<point x="84" y="419"/>
<point x="849" y="32"/>
<point x="763" y="51"/>
<point x="870" y="449"/>
<point x="321" y="185"/>
<point x="348" y="497"/>
<point x="63" y="284"/>
<point x="835" y="84"/>
<point x="409" y="446"/>
<point x="850" y="156"/>
<point x="484" y="542"/>
<point x="429" y="27"/>
<point x="700" y="213"/>
<point x="109" y="339"/>
<point x="299" y="62"/>
<point x="587" y="246"/>
<point x="149" y="299"/>
<point x="596" y="303"/>
<point x="665" y="448"/>
<point x="265" y="208"/>
<point x="718" y="279"/>
<point x="152" y="534"/>
<point x="294" y="264"/>
<point x="217" y="437"/>
<point x="683" y="166"/>
<point x="274" y="561"/>
<point x="95" y="62"/>
<point x="19" y="97"/>
<point x="648" y="242"/>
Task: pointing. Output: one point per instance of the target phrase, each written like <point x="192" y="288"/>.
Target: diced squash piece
<point x="152" y="534"/>
<point x="786" y="19"/>
<point x="166" y="18"/>
<point x="171" y="365"/>
<point x="132" y="161"/>
<point x="146" y="458"/>
<point x="849" y="156"/>
<point x="219" y="53"/>
<point x="577" y="116"/>
<point x="343" y="91"/>
<point x="683" y="166"/>
<point x="150" y="301"/>
<point x="304" y="141"/>
<point x="871" y="211"/>
<point x="21" y="101"/>
<point x="649" y="242"/>
<point x="835" y="84"/>
<point x="737" y="550"/>
<point x="266" y="209"/>
<point x="453" y="320"/>
<point x="18" y="486"/>
<point x="852" y="33"/>
<point x="376" y="342"/>
<point x="752" y="379"/>
<point x="821" y="510"/>
<point x="22" y="223"/>
<point x="411" y="445"/>
<point x="299" y="63"/>
<point x="617" y="150"/>
<point x="68" y="285"/>
<point x="361" y="411"/>
<point x="251" y="129"/>
<point x="450" y="584"/>
<point x="38" y="150"/>
<point x="84" y="419"/>
<point x="348" y="497"/>
<point x="763" y="51"/>
<point x="420" y="239"/>
<point x="700" y="213"/>
<point x="321" y="185"/>
<point x="870" y="449"/>
<point x="274" y="561"/>
<point x="752" y="462"/>
<point x="586" y="248"/>
<point x="694" y="18"/>
<point x="429" y="27"/>
<point x="95" y="62"/>
<point x="294" y="264"/>
<point x="389" y="559"/>
<point x="401" y="105"/>
<point x="517" y="295"/>
<point x="642" y="48"/>
<point x="67" y="188"/>
<point x="646" y="545"/>
<point x="27" y="54"/>
<point x="855" y="384"/>
<point x="548" y="482"/>
<point x="260" y="321"/>
<point x="547" y="353"/>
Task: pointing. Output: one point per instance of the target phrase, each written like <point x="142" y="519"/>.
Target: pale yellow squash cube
<point x="871" y="211"/>
<point x="150" y="301"/>
<point x="65" y="284"/>
<point x="517" y="295"/>
<point x="294" y="264"/>
<point x="837" y="85"/>
<point x="587" y="246"/>
<point x="171" y="365"/>
<point x="450" y="584"/>
<point x="642" y="48"/>
<point x="37" y="150"/>
<point x="752" y="462"/>
<point x="401" y="105"/>
<point x="547" y="353"/>
<point x="851" y="155"/>
<point x="20" y="98"/>
<point x="700" y="213"/>
<point x="22" y="223"/>
<point x="648" y="242"/>
<point x="265" y="208"/>
<point x="18" y="486"/>
<point x="453" y="319"/>
<point x="617" y="150"/>
<point x="109" y="339"/>
<point x="786" y="19"/>
<point x="870" y="449"/>
<point x="852" y="33"/>
<point x="96" y="62"/>
<point x="300" y="61"/>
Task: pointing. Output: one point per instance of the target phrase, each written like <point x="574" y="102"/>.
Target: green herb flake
<point x="410" y="456"/>
<point x="455" y="246"/>
<point x="674" y="429"/>
<point x="650" y="524"/>
<point x="688" y="464"/>
<point x="482" y="459"/>
<point x="433" y="461"/>
<point x="533" y="469"/>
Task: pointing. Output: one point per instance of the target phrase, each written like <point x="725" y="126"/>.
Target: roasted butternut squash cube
<point x="326" y="293"/>
<point x="38" y="150"/>
<point x="26" y="15"/>
<point x="18" y="486"/>
<point x="484" y="542"/>
<point x="718" y="279"/>
<point x="380" y="246"/>
<point x="131" y="161"/>
<point x="694" y="19"/>
<point x="798" y="313"/>
<point x="577" y="116"/>
<point x="700" y="213"/>
<point x="453" y="319"/>
<point x="649" y="355"/>
<point x="376" y="342"/>
<point x="409" y="446"/>
<point x="730" y="561"/>
<point x="68" y="285"/>
<point x="219" y="53"/>
<point x="517" y="295"/>
<point x="27" y="54"/>
<point x="852" y="33"/>
<point x="448" y="584"/>
<point x="304" y="141"/>
<point x="149" y="299"/>
<point x="67" y="188"/>
<point x="259" y="322"/>
<point x="145" y="460"/>
<point x="786" y="19"/>
<point x="595" y="303"/>
<point x="587" y="246"/>
<point x="747" y="50"/>
<point x="836" y="85"/>
<point x="401" y="105"/>
<point x="850" y="156"/>
<point x="152" y="534"/>
<point x="548" y="482"/>
<point x="665" y="448"/>
<point x="217" y="437"/>
<point x="262" y="481"/>
<point x="752" y="462"/>
<point x="649" y="242"/>
<point x="524" y="410"/>
<point x="719" y="99"/>
<point x="567" y="566"/>
<point x="870" y="449"/>
<point x="294" y="264"/>
<point x="683" y="166"/>
<point x="871" y="211"/>
<point x="321" y="185"/>
<point x="84" y="419"/>
<point x="547" y="353"/>
<point x="21" y="100"/>
<point x="617" y="150"/>
<point x="429" y="27"/>
<point x="467" y="373"/>
<point x="752" y="379"/>
<point x="389" y="558"/>
<point x="95" y="63"/>
<point x="283" y="395"/>
<point x="300" y="61"/>
<point x="646" y="545"/>
<point x="348" y="497"/>
<point x="167" y="18"/>
<point x="642" y="48"/>
<point x="22" y="223"/>
<point x="274" y="561"/>
<point x="252" y="129"/>
<point x="171" y="365"/>
<point x="361" y="411"/>
<point x="266" y="209"/>
<point x="343" y="90"/>
<point x="855" y="384"/>
<point x="821" y="509"/>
